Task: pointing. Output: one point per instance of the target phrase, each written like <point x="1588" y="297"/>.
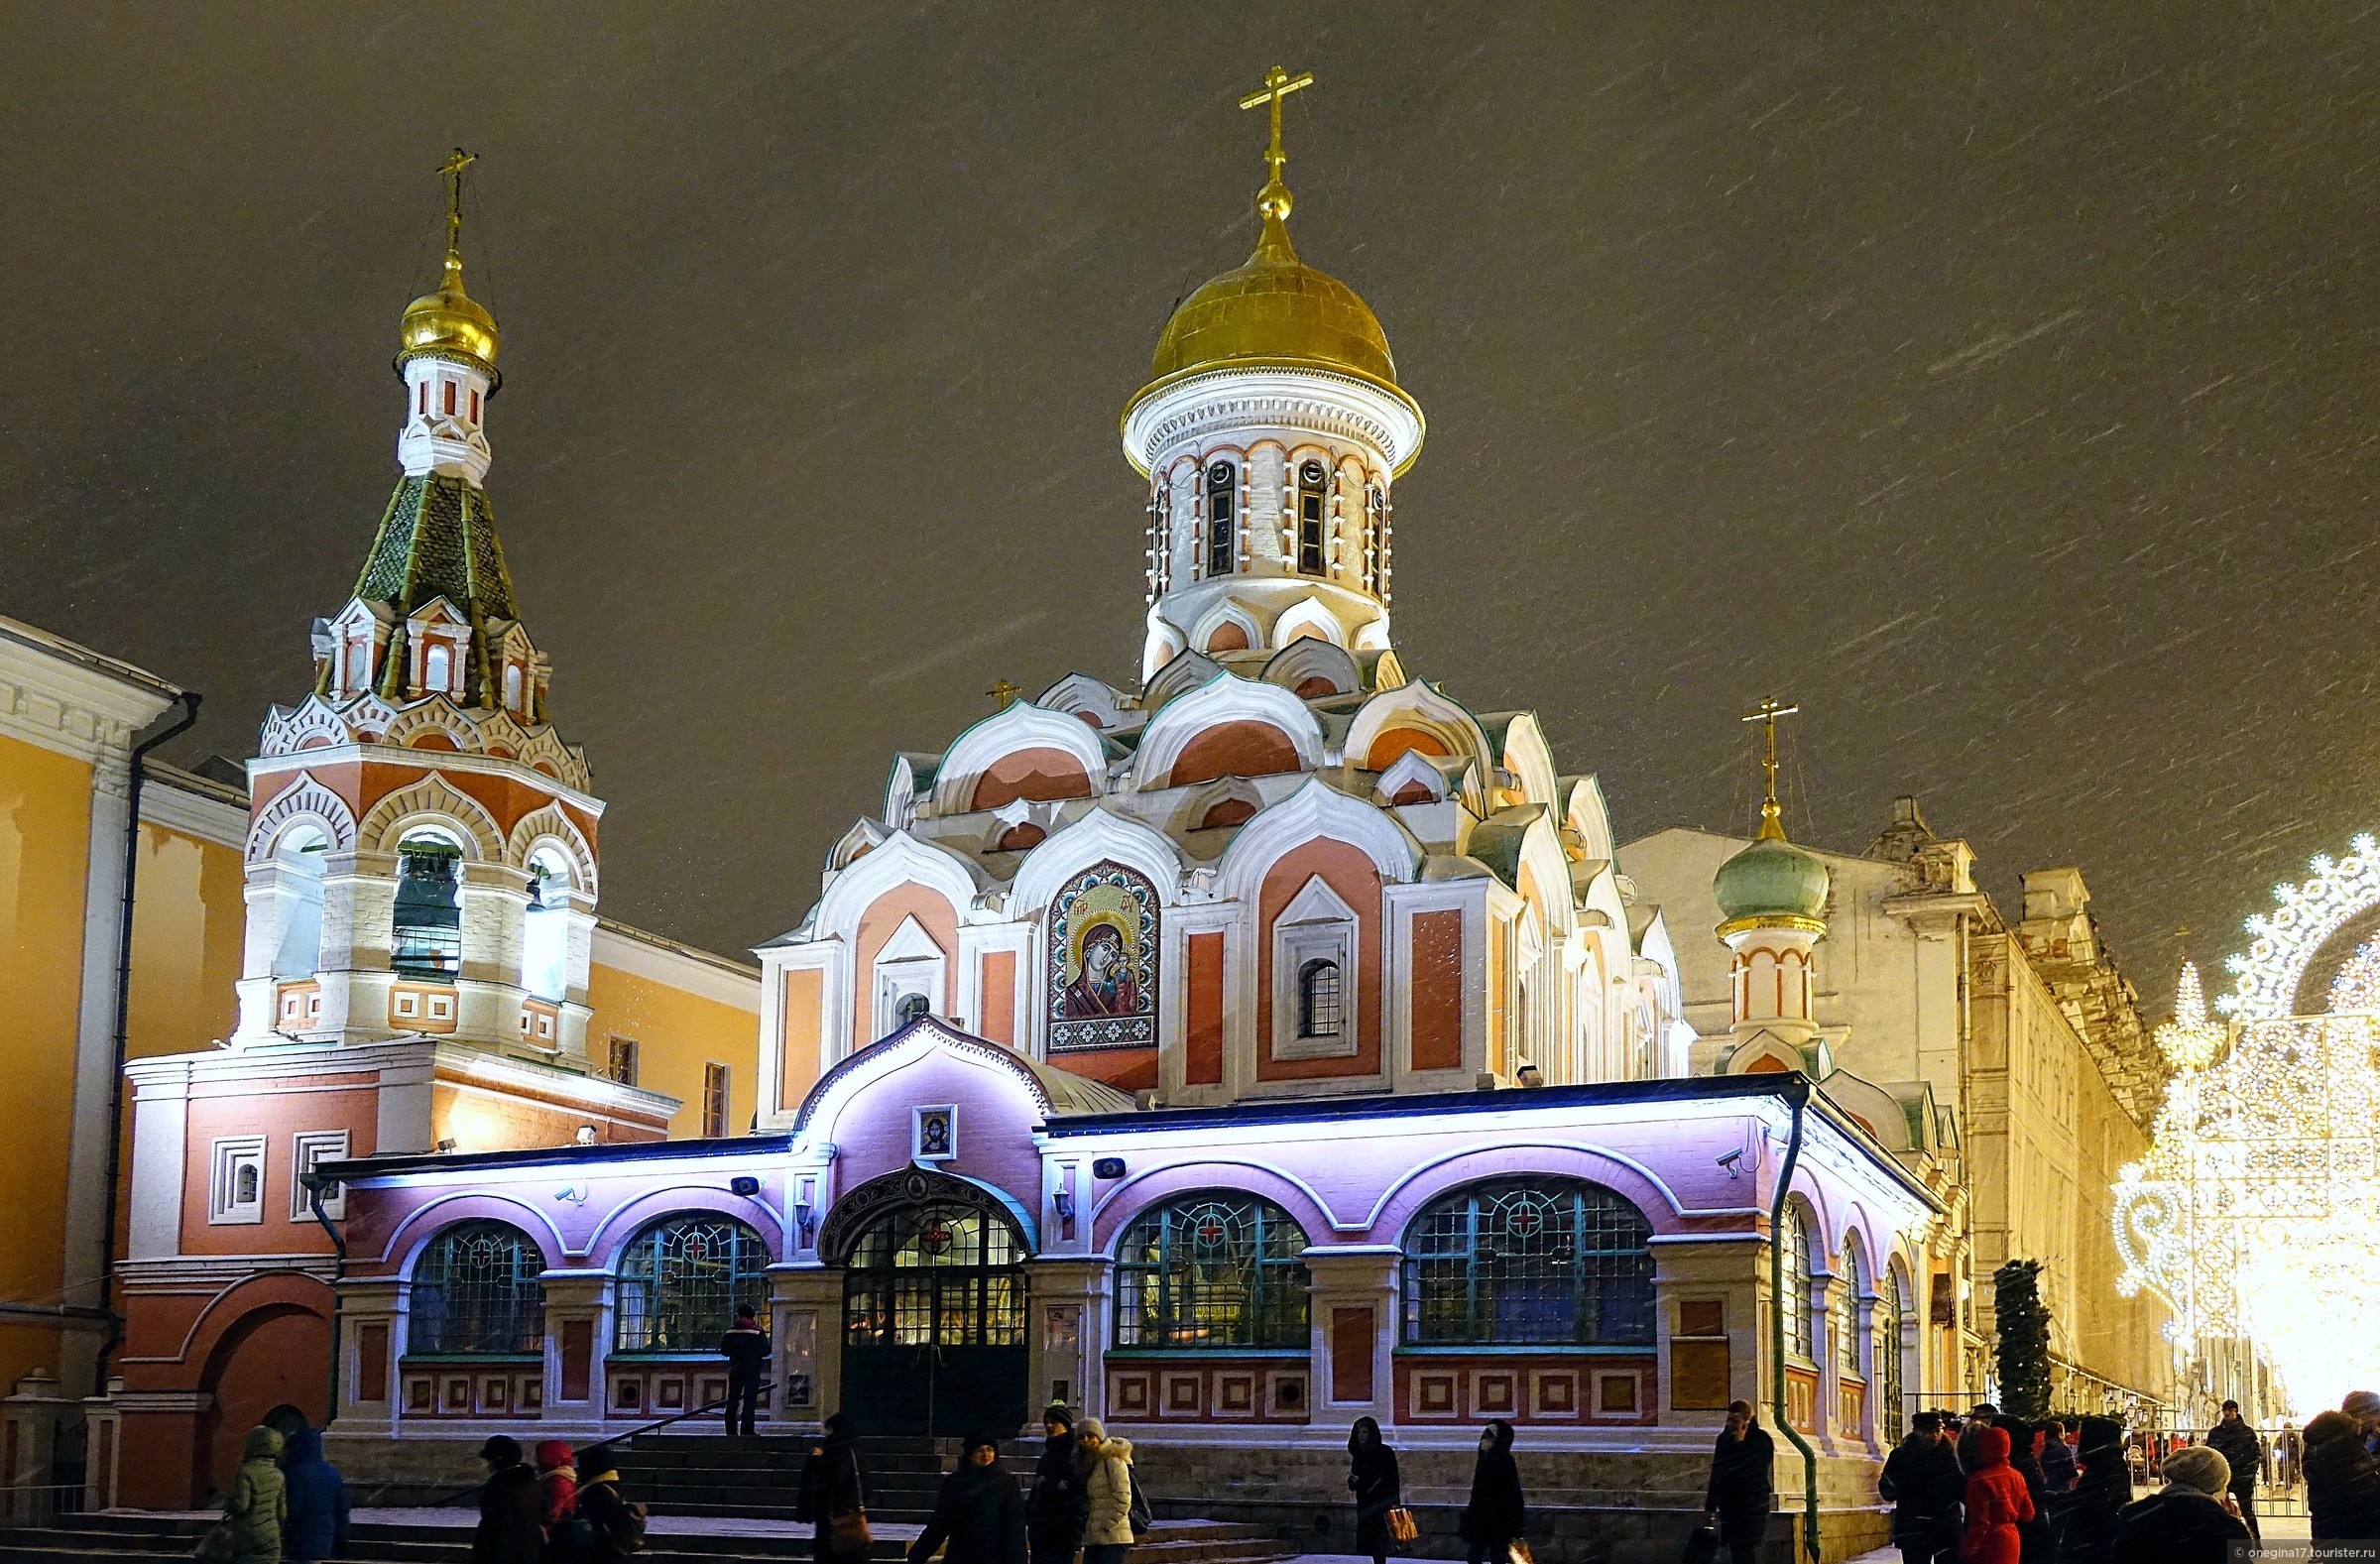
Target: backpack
<point x="626" y="1529"/>
<point x="1138" y="1513"/>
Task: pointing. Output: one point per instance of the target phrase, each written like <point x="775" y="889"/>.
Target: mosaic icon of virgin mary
<point x="1105" y="986"/>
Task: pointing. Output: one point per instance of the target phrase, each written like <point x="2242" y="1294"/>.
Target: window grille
<point x="681" y="1282"/>
<point x="428" y="921"/>
<point x="622" y="1065"/>
<point x="941" y="1275"/>
<point x="1795" y="1305"/>
<point x="1211" y="1272"/>
<point x="476" y="1294"/>
<point x="1318" y="999"/>
<point x="1223" y="493"/>
<point x="1847" y="1316"/>
<point x="1312" y="500"/>
<point x="714" y="1099"/>
<point x="1530" y="1262"/>
<point x="1894" y="1307"/>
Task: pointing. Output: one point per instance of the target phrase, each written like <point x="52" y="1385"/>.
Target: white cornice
<point x="70" y="699"/>
<point x="683" y="967"/>
<point x="429" y="760"/>
<point x="179" y="801"/>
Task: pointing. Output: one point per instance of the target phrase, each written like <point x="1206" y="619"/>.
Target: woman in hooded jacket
<point x="317" y="1527"/>
<point x="1997" y="1504"/>
<point x="832" y="1484"/>
<point x="1499" y="1511"/>
<point x="259" y="1505"/>
<point x="557" y="1495"/>
<point x="1372" y="1477"/>
<point x="1108" y="1490"/>
<point x="2037" y="1542"/>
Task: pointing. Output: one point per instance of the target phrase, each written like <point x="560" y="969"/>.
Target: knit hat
<point x="1060" y="1414"/>
<point x="2099" y="1433"/>
<point x="2196" y="1466"/>
<point x="2362" y="1406"/>
<point x="1091" y="1427"/>
<point x="974" y="1442"/>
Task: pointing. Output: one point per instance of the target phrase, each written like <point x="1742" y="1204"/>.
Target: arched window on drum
<point x="681" y="1281"/>
<point x="1539" y="1262"/>
<point x="1213" y="1271"/>
<point x="476" y="1294"/>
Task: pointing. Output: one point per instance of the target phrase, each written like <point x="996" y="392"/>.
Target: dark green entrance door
<point x="933" y="1321"/>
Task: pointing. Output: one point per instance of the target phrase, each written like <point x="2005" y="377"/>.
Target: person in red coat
<point x="1996" y="1504"/>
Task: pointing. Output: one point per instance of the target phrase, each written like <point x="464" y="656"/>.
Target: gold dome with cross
<point x="448" y="320"/>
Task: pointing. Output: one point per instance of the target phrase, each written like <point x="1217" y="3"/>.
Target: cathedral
<point x="1229" y="1053"/>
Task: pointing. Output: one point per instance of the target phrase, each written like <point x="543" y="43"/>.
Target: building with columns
<point x="1265" y="1042"/>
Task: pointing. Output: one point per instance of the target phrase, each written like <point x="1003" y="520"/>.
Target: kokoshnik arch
<point x="1263" y="1045"/>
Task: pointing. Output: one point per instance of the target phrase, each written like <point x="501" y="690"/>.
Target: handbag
<point x="1521" y="1553"/>
<point x="1702" y="1546"/>
<point x="219" y="1543"/>
<point x="1401" y="1525"/>
<point x="847" y="1539"/>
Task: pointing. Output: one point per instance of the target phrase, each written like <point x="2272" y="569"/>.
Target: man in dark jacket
<point x="2242" y="1448"/>
<point x="1060" y="1499"/>
<point x="2185" y="1521"/>
<point x="1923" y="1480"/>
<point x="317" y="1527"/>
<point x="2342" y="1482"/>
<point x="509" y="1532"/>
<point x="1741" y="1490"/>
<point x="979" y="1512"/>
<point x="746" y="1348"/>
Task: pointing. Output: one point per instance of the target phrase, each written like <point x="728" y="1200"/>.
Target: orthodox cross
<point x="1003" y="694"/>
<point x="1278" y="85"/>
<point x="452" y="172"/>
<point x="1766" y="714"/>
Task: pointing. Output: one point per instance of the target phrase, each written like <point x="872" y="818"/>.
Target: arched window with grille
<point x="1211" y="1272"/>
<point x="1892" y="1309"/>
<point x="426" y="928"/>
<point x="1222" y="495"/>
<point x="1795" y="1305"/>
<point x="1320" y="1001"/>
<point x="1313" y="508"/>
<point x="1529" y="1262"/>
<point x="683" y="1279"/>
<point x="1847" y="1311"/>
<point x="476" y="1294"/>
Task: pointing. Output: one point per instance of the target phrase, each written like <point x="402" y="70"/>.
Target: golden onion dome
<point x="1274" y="311"/>
<point x="448" y="320"/>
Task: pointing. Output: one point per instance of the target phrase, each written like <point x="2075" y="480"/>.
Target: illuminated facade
<point x="2256" y="1214"/>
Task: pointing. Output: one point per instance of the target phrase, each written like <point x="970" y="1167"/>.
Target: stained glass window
<point x="682" y="1281"/>
<point x="1529" y="1262"/>
<point x="936" y="1274"/>
<point x="1211" y="1272"/>
<point x="476" y="1293"/>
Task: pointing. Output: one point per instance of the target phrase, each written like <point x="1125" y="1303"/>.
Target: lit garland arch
<point x="2256" y="1214"/>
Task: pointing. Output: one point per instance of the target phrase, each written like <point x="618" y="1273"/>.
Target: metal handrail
<point x="609" y="1441"/>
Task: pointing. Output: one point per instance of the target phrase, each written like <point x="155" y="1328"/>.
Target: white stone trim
<point x="191" y="808"/>
<point x="229" y="1156"/>
<point x="685" y="968"/>
<point x="1316" y="925"/>
<point x="70" y="699"/>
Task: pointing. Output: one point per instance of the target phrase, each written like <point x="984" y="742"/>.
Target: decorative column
<point x="1708" y="1295"/>
<point x="359" y="913"/>
<point x="1354" y="1313"/>
<point x="102" y="1439"/>
<point x="570" y="1032"/>
<point x="578" y="1339"/>
<point x="494" y="901"/>
<point x="805" y="1319"/>
<point x="1071" y="1314"/>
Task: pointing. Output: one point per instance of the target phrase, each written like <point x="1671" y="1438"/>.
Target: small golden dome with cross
<point x="1275" y="310"/>
<point x="449" y="321"/>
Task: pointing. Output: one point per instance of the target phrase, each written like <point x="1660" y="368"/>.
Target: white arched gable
<point x="1308" y="614"/>
<point x="436" y="714"/>
<point x="1527" y="756"/>
<point x="551" y="825"/>
<point x="307" y="802"/>
<point x="1409" y="768"/>
<point x="1020" y="725"/>
<point x="1165" y="643"/>
<point x="1584" y="812"/>
<point x="1179" y="676"/>
<point x="901" y="789"/>
<point x="1224" y="698"/>
<point x="1099" y="836"/>
<point x="919" y="1041"/>
<point x="1225" y="612"/>
<point x="1315" y="811"/>
<point x="901" y="859"/>
<point x="864" y="837"/>
<point x="1373" y="636"/>
<point x="1542" y="851"/>
<point x="1307" y="658"/>
<point x="1079" y="695"/>
<point x="1414" y="705"/>
<point x="431" y="801"/>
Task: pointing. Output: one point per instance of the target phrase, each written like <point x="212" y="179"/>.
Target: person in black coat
<point x="2086" y="1515"/>
<point x="509" y="1529"/>
<point x="979" y="1512"/>
<point x="1372" y="1477"/>
<point x="1060" y="1499"/>
<point x="1742" y="1487"/>
<point x="2189" y="1520"/>
<point x="746" y="1348"/>
<point x="2243" y="1447"/>
<point x="832" y="1485"/>
<point x="1499" y="1512"/>
<point x="1921" y="1479"/>
<point x="1984" y="1416"/>
<point x="2342" y="1482"/>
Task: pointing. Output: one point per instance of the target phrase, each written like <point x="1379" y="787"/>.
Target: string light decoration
<point x="2256" y="1214"/>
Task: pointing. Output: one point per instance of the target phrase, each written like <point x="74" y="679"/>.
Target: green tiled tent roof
<point x="439" y="539"/>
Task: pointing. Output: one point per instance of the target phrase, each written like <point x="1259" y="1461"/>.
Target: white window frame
<point x="307" y="1147"/>
<point x="229" y="1154"/>
<point x="909" y="963"/>
<point x="1316" y="925"/>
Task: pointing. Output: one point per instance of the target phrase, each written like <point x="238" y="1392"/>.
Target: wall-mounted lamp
<point x="1063" y="1201"/>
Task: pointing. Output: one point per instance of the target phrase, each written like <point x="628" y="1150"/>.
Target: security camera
<point x="1729" y="1160"/>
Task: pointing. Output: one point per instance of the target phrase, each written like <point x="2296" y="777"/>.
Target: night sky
<point x="2001" y="383"/>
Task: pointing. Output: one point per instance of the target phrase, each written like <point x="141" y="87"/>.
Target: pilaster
<point x="371" y="1341"/>
<point x="578" y="1340"/>
<point x="1072" y="1317"/>
<point x="1353" y="1312"/>
<point x="805" y="1315"/>
<point x="1692" y="1276"/>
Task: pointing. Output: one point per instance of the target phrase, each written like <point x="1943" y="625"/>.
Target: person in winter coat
<point x="2189" y="1520"/>
<point x="746" y="1348"/>
<point x="259" y="1507"/>
<point x="2057" y="1458"/>
<point x="979" y="1512"/>
<point x="509" y="1532"/>
<point x="2085" y="1518"/>
<point x="1372" y="1477"/>
<point x="1742" y="1490"/>
<point x="2038" y="1543"/>
<point x="2365" y="1407"/>
<point x="1108" y="1494"/>
<point x="1499" y="1511"/>
<point x="1997" y="1504"/>
<point x="1923" y="1480"/>
<point x="615" y="1529"/>
<point x="832" y="1484"/>
<point x="2342" y="1482"/>
<point x="317" y="1502"/>
<point x="557" y="1495"/>
<point x="2243" y="1449"/>
<point x="1055" y="1507"/>
<point x="1970" y="1437"/>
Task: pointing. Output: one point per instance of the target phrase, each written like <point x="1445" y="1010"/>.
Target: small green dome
<point x="1772" y="880"/>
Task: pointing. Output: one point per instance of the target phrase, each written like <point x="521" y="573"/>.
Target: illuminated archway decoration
<point x="2266" y="977"/>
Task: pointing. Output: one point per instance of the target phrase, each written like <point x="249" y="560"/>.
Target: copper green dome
<point x="1769" y="883"/>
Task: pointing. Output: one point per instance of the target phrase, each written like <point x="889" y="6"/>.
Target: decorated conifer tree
<point x="2024" y="1345"/>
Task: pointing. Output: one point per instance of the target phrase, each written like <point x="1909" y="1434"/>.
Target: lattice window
<point x="682" y="1281"/>
<point x="1313" y="499"/>
<point x="1211" y="1272"/>
<point x="1223" y="493"/>
<point x="1530" y="1262"/>
<point x="1799" y="1342"/>
<point x="1846" y="1312"/>
<point x="621" y="1065"/>
<point x="1892" y="1308"/>
<point x="428" y="921"/>
<point x="938" y="1275"/>
<point x="1318" y="1000"/>
<point x="476" y="1293"/>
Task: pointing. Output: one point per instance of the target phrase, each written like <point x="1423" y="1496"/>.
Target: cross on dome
<point x="1772" y="826"/>
<point x="1274" y="200"/>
